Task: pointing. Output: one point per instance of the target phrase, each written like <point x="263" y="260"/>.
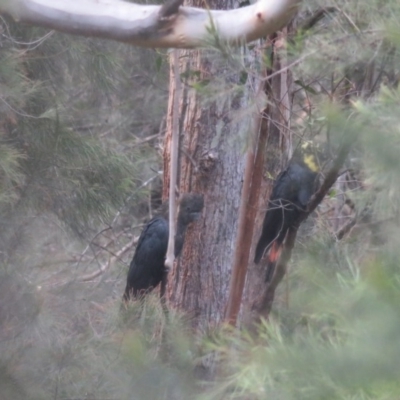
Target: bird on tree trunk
<point x="147" y="266"/>
<point x="291" y="193"/>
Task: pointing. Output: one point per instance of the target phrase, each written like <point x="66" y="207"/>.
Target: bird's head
<point x="311" y="154"/>
<point x="307" y="151"/>
<point x="190" y="207"/>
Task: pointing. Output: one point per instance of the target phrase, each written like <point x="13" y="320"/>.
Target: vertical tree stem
<point x="247" y="214"/>
<point x="169" y="261"/>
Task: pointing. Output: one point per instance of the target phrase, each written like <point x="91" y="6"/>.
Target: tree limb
<point x="104" y="267"/>
<point x="107" y="265"/>
<point x="170" y="8"/>
<point x="263" y="305"/>
<point x="169" y="25"/>
<point x="331" y="176"/>
<point x="346" y="228"/>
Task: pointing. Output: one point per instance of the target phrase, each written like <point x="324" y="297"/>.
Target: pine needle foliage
<point x="75" y="177"/>
<point x="67" y="133"/>
<point x="343" y="343"/>
<point x="11" y="175"/>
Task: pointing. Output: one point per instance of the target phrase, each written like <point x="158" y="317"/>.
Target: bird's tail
<point x="272" y="258"/>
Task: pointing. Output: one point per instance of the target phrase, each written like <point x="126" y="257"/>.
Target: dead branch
<point x="340" y="234"/>
<point x="331" y="176"/>
<point x="169" y="260"/>
<point x="110" y="262"/>
<point x="101" y="269"/>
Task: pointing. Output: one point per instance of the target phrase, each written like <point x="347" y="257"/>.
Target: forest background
<point x="81" y="141"/>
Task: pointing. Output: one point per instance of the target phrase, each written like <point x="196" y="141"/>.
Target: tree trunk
<point x="211" y="162"/>
<point x="258" y="297"/>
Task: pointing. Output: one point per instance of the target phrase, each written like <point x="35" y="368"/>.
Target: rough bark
<point x="279" y="147"/>
<point x="169" y="25"/>
<point x="254" y="168"/>
<point x="212" y="159"/>
<point x="274" y="125"/>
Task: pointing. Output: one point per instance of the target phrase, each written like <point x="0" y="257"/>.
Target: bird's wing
<point x="152" y="244"/>
<point x="308" y="188"/>
<point x="155" y="233"/>
<point x="287" y="184"/>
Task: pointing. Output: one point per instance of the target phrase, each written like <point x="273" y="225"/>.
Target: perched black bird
<point x="291" y="192"/>
<point x="147" y="266"/>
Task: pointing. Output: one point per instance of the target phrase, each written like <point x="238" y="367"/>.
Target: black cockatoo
<point x="291" y="192"/>
<point x="147" y="266"/>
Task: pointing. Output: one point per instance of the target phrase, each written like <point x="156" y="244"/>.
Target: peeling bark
<point x="276" y="121"/>
<point x="248" y="211"/>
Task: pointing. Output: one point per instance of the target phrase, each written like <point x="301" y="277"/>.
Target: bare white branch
<point x="168" y="26"/>
<point x="173" y="178"/>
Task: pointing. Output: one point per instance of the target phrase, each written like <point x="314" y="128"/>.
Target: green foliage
<point x="62" y="99"/>
<point x="75" y="176"/>
<point x="78" y="135"/>
<point x="123" y="354"/>
<point x="338" y="339"/>
<point x="11" y="176"/>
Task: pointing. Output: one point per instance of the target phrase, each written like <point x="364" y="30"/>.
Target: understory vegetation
<point x="81" y="133"/>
